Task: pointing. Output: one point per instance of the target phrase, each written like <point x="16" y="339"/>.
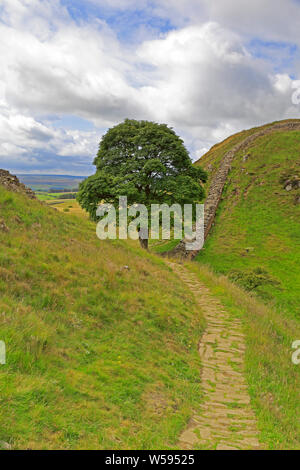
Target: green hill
<point x="251" y="261"/>
<point x="94" y="359"/>
<point x="102" y="337"/>
<point x="255" y="239"/>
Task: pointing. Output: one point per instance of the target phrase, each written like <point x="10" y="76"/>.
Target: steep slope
<point x="255" y="238"/>
<point x="94" y="358"/>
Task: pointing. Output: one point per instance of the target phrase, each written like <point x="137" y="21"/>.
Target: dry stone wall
<point x="219" y="180"/>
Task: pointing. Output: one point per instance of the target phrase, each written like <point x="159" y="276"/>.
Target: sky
<point x="71" y="69"/>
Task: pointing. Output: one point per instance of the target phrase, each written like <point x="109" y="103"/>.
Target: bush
<point x="252" y="279"/>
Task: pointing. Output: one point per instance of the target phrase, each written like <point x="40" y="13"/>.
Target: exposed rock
<point x="3" y="226"/>
<point x="293" y="182"/>
<point x="245" y="157"/>
<point x="5" y="445"/>
<point x="17" y="219"/>
<point x="12" y="183"/>
<point x="36" y="226"/>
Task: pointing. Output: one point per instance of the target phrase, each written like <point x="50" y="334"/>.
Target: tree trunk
<point x="144" y="243"/>
<point x="143" y="237"/>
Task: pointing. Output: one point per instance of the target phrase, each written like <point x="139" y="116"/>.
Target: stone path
<point x="226" y="420"/>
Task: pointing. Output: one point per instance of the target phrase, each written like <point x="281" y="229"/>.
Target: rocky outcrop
<point x="219" y="180"/>
<point x="3" y="226"/>
<point x="12" y="183"/>
<point x="292" y="183"/>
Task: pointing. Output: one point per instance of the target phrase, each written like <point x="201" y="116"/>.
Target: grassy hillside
<point x="94" y="358"/>
<point x="102" y="338"/>
<point x="256" y="236"/>
<point x="255" y="246"/>
<point x="273" y="379"/>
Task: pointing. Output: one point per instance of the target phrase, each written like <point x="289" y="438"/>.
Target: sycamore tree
<point x="145" y="161"/>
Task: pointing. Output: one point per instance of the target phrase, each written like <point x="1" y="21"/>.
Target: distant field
<point x="46" y="196"/>
<point x="68" y="206"/>
<point x="62" y="201"/>
<point x="48" y="182"/>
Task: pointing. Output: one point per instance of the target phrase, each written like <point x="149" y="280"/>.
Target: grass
<point x="255" y="241"/>
<point x="68" y="205"/>
<point x="46" y="197"/>
<point x="211" y="160"/>
<point x="273" y="379"/>
<point x="101" y="356"/>
<point x="257" y="228"/>
<point x="94" y="359"/>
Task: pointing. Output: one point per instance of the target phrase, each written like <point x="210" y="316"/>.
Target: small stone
<point x="3" y="226"/>
<point x="18" y="219"/>
<point x="288" y="187"/>
<point x="126" y="267"/>
<point x="5" y="445"/>
<point x="297" y="200"/>
<point x="223" y="446"/>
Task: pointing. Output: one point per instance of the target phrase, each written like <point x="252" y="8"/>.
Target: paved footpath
<point x="226" y="420"/>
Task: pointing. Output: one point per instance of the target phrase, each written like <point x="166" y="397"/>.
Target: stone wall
<point x="218" y="182"/>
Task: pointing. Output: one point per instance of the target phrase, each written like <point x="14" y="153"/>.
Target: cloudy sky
<point x="70" y="69"/>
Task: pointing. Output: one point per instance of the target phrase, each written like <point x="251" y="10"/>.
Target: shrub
<point x="252" y="279"/>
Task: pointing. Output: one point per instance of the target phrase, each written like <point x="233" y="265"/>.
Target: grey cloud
<point x="199" y="78"/>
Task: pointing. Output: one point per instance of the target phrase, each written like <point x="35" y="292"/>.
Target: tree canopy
<point x="145" y="161"/>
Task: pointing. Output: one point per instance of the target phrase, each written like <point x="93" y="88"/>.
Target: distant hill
<point x="50" y="182"/>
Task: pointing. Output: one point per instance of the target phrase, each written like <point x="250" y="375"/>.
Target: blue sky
<point x="72" y="69"/>
<point x="125" y="22"/>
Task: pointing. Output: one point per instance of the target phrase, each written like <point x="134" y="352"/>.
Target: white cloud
<point x="277" y="20"/>
<point x="25" y="141"/>
<point x="206" y="83"/>
<point x="200" y="78"/>
<point x="78" y="70"/>
<point x="268" y="19"/>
